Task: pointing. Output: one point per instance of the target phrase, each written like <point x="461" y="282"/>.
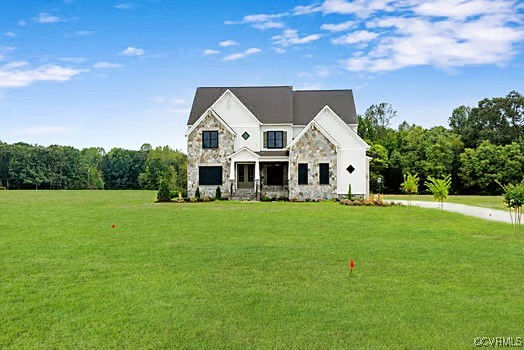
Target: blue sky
<point x="120" y="74"/>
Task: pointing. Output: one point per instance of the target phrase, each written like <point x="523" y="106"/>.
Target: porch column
<point x="257" y="173"/>
<point x="232" y="171"/>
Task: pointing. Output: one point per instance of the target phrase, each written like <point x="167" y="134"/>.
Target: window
<point x="210" y="175"/>
<point x="302" y="174"/>
<point x="275" y="139"/>
<point x="245" y="135"/>
<point x="324" y="174"/>
<point x="210" y="139"/>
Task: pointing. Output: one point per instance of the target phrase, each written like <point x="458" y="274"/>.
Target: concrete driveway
<point x="479" y="212"/>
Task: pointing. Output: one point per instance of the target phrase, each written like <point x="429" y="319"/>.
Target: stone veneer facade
<point x="313" y="148"/>
<point x="197" y="156"/>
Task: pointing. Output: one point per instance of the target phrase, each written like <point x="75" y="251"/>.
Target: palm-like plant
<point x="439" y="188"/>
<point x="410" y="185"/>
<point x="514" y="200"/>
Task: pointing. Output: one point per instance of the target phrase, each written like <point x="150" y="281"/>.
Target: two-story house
<point x="276" y="142"/>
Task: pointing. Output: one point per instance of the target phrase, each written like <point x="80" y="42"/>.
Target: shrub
<point x="164" y="194"/>
<point x="349" y="192"/>
<point x="439" y="188"/>
<point x="514" y="200"/>
<point x="175" y="194"/>
<point x="410" y="185"/>
<point x="372" y="201"/>
<point x="265" y="199"/>
<point x="207" y="199"/>
<point x="193" y="200"/>
<point x="197" y="193"/>
<point x="218" y="194"/>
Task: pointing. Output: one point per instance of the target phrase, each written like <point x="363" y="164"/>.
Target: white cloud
<point x="84" y="32"/>
<point x="104" y="65"/>
<point x="442" y="43"/>
<point x="361" y="8"/>
<point x="46" y="18"/>
<point x="10" y="34"/>
<point x="227" y="43"/>
<point x="261" y="21"/>
<point x="209" y="52"/>
<point x="22" y="23"/>
<point x="73" y="59"/>
<point x="43" y="130"/>
<point x="237" y="56"/>
<point x="279" y="50"/>
<point x="306" y="10"/>
<point x="133" y="51"/>
<point x="18" y="74"/>
<point x="360" y="36"/>
<point x="309" y="86"/>
<point x="124" y="6"/>
<point x="338" y="27"/>
<point x="318" y="71"/>
<point x="290" y="37"/>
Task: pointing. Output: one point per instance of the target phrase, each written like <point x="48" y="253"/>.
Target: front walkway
<point x="479" y="212"/>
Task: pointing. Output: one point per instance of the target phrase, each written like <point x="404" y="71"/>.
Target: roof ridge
<point x="246" y="86"/>
<point x="321" y="90"/>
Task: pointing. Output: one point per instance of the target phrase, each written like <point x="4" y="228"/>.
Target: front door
<point x="246" y="176"/>
<point x="275" y="175"/>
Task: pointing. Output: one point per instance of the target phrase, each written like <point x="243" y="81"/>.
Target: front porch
<point x="253" y="176"/>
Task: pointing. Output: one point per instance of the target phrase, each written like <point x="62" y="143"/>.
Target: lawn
<point x="494" y="202"/>
<point x="240" y="275"/>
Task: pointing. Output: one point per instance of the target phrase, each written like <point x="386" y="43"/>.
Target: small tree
<point x="439" y="188"/>
<point x="218" y="194"/>
<point x="349" y="192"/>
<point x="164" y="193"/>
<point x="197" y="193"/>
<point x="514" y="200"/>
<point x="410" y="185"/>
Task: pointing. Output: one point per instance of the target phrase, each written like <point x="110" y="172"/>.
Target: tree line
<point x="481" y="147"/>
<point x="24" y="166"/>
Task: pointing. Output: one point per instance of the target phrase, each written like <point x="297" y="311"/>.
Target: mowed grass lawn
<point x="240" y="275"/>
<point x="493" y="202"/>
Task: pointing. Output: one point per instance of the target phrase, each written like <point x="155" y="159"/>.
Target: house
<point x="277" y="142"/>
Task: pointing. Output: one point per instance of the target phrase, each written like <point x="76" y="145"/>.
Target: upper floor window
<point x="210" y="139"/>
<point x="275" y="139"/>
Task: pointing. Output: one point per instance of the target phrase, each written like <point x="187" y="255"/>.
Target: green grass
<point x="240" y="275"/>
<point x="494" y="202"/>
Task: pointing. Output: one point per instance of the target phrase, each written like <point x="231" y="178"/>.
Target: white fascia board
<point x="242" y="150"/>
<point x="322" y="131"/>
<point x="359" y="139"/>
<point x="211" y="112"/>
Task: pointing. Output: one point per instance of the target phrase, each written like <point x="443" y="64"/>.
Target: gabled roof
<point x="319" y="128"/>
<point x="279" y="104"/>
<point x="210" y="112"/>
<point x="269" y="104"/>
<point x="307" y="104"/>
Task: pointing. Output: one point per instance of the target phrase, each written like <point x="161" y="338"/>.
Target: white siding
<point x="338" y="130"/>
<point x="238" y="117"/>
<point x="297" y="130"/>
<point x="352" y="151"/>
<point x="357" y="179"/>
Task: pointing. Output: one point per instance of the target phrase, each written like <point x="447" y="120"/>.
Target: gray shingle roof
<point x="279" y="104"/>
